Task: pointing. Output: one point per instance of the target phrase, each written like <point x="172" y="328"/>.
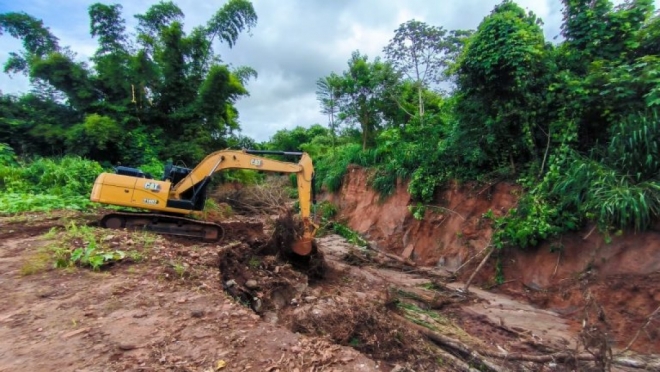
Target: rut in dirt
<point x="287" y="289"/>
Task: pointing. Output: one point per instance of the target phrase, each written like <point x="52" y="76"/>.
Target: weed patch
<point x="47" y="184"/>
<point x="84" y="246"/>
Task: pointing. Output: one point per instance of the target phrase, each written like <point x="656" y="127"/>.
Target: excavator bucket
<point x="303" y="247"/>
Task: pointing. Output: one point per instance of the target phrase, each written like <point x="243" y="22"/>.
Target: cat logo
<point x="153" y="186"/>
<point x="256" y="162"/>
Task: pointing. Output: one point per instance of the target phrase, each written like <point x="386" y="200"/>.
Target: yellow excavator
<point x="181" y="192"/>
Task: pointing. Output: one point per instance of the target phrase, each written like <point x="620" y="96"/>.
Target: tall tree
<point x="327" y="93"/>
<point x="362" y="88"/>
<point x="422" y="52"/>
<point x="166" y="89"/>
<point x="502" y="80"/>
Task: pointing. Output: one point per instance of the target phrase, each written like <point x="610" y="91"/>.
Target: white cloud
<point x="295" y="43"/>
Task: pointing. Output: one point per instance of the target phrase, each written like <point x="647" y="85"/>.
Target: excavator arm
<point x="247" y="159"/>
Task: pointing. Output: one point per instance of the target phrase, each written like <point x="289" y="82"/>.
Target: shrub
<point x="47" y="184"/>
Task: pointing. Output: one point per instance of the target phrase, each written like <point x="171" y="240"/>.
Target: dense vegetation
<point x="574" y="122"/>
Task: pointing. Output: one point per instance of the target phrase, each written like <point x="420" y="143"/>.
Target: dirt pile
<point x="264" y="199"/>
<point x="364" y="325"/>
<point x="292" y="291"/>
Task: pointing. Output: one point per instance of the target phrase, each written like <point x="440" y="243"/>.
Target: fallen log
<point x="651" y="364"/>
<point x="452" y="344"/>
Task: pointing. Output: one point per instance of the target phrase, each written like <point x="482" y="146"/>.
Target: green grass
<point x="46" y="184"/>
<point x="86" y="247"/>
<point x="11" y="203"/>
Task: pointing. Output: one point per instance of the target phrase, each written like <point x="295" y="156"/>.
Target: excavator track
<point x="164" y="224"/>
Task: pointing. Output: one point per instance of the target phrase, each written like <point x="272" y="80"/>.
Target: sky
<point x="295" y="43"/>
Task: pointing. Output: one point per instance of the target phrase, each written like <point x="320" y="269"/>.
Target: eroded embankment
<point x="621" y="276"/>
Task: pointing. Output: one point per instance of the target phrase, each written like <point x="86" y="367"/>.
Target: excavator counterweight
<point x="170" y="203"/>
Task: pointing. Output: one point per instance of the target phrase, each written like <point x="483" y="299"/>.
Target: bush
<point x="7" y="155"/>
<point x="617" y="186"/>
<point x="47" y="184"/>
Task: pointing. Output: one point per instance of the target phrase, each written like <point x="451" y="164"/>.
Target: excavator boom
<point x="182" y="192"/>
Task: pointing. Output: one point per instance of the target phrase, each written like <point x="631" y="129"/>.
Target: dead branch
<point x="444" y="209"/>
<point x="455" y="362"/>
<point x="433" y="300"/>
<point x="405" y="261"/>
<point x="557" y="265"/>
<point x="458" y="346"/>
<point x="483" y="262"/>
<point x="470" y="259"/>
<point x="648" y="321"/>
<point x="446" y="342"/>
<point x="590" y="232"/>
<point x="545" y="154"/>
<point x="255" y="199"/>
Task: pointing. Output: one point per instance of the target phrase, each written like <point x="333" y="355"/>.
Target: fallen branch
<point x="648" y="321"/>
<point x="455" y="362"/>
<point x="483" y="262"/>
<point x="482" y="355"/>
<point x="405" y="261"/>
<point x="470" y="259"/>
<point x="446" y="342"/>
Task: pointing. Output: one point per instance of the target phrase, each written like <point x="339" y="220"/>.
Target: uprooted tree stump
<point x="287" y="230"/>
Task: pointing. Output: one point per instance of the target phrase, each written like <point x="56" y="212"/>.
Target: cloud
<point x="295" y="43"/>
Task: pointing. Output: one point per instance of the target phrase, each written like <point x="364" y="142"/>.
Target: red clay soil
<point x="451" y="229"/>
<point x="622" y="275"/>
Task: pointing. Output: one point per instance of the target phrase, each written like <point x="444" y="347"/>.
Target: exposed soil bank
<point x="622" y="276"/>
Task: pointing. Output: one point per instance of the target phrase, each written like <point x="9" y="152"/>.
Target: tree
<point x="502" y="82"/>
<point x="596" y="30"/>
<point x="166" y="85"/>
<point x="37" y="39"/>
<point x="422" y="53"/>
<point x="361" y="90"/>
<point x="328" y="93"/>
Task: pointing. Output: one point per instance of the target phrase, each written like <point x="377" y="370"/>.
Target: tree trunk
<point x="421" y="101"/>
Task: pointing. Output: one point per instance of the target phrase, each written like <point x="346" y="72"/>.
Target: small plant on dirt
<point x="146" y="239"/>
<point x="351" y="235"/>
<point x="326" y="210"/>
<point x="76" y="245"/>
<point x="418" y="210"/>
<point x="38" y="262"/>
<point x="92" y="256"/>
<point x="215" y="210"/>
<point x="136" y="256"/>
<point x="254" y="262"/>
<point x="180" y="269"/>
<point x="89" y="255"/>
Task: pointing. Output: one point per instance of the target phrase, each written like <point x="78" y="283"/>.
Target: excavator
<point x="172" y="201"/>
